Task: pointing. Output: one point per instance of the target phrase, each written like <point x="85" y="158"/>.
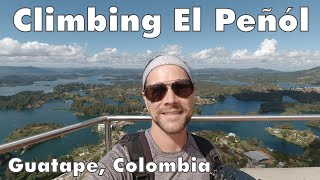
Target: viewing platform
<point x="303" y="173"/>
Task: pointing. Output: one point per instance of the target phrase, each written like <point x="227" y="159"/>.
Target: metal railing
<point x="7" y="147"/>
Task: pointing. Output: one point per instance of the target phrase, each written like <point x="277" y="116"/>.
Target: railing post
<point x="107" y="128"/>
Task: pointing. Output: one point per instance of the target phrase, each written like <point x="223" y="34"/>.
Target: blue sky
<point x="279" y="50"/>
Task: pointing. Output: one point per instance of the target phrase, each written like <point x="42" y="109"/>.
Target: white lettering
<point x="116" y="166"/>
<point x="38" y="19"/>
<point x="181" y="22"/>
<point x="152" y="25"/>
<point x="131" y="167"/>
<point x="196" y="19"/>
<point x="17" y="20"/>
<point x="71" y="22"/>
<point x="14" y="165"/>
<point x="246" y="23"/>
<point x="151" y="167"/>
<point x="182" y="166"/>
<point x="44" y="167"/>
<point x="224" y="17"/>
<point x="77" y="168"/>
<point x="93" y="19"/>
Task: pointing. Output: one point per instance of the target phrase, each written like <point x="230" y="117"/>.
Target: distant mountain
<point x="259" y="75"/>
<point x="17" y="70"/>
<point x="231" y="70"/>
<point x="312" y="71"/>
<point x="254" y="75"/>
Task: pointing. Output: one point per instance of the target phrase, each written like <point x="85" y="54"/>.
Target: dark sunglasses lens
<point x="156" y="92"/>
<point x="183" y="88"/>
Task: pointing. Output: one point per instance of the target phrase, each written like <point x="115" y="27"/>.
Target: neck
<point x="168" y="142"/>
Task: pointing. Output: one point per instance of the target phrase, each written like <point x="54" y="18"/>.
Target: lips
<point x="171" y="112"/>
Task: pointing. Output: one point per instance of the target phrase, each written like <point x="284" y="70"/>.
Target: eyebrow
<point x="164" y="82"/>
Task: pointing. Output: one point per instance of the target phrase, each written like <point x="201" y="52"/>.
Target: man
<point x="169" y="96"/>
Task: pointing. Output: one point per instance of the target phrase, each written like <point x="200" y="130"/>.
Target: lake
<point x="10" y="120"/>
<point x="230" y="82"/>
<point x="47" y="86"/>
<point x="242" y="129"/>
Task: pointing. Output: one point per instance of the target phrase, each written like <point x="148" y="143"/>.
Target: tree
<point x="284" y="126"/>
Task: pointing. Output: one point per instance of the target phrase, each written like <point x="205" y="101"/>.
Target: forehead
<point x="166" y="73"/>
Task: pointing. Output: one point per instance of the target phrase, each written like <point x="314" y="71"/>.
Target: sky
<point x="208" y="48"/>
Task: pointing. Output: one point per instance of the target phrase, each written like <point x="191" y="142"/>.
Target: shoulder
<point x="119" y="150"/>
<point x="208" y="149"/>
<point x="108" y="163"/>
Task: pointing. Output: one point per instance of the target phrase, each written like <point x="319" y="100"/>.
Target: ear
<point x="145" y="100"/>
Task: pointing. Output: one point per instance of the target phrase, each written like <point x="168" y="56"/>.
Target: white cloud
<point x="113" y="57"/>
<point x="12" y="51"/>
<point x="172" y="49"/>
<point x="267" y="55"/>
<point x="240" y="54"/>
<point x="210" y="53"/>
<point x="267" y="47"/>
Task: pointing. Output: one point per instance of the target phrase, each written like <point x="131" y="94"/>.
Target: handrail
<point x="7" y="147"/>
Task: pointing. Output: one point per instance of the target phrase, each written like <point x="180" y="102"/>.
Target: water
<point x="288" y="99"/>
<point x="249" y="129"/>
<point x="231" y="104"/>
<point x="47" y="86"/>
<point x="11" y="120"/>
<point x="231" y="82"/>
<point x="243" y="129"/>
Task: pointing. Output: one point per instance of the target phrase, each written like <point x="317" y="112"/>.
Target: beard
<point x="172" y="120"/>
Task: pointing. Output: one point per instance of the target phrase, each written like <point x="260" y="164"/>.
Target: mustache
<point x="169" y="109"/>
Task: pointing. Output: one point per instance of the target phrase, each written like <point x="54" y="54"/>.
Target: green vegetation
<point x="284" y="126"/>
<point x="233" y="148"/>
<point x="123" y="97"/>
<point x="227" y="112"/>
<point x="5" y="158"/>
<point x="315" y="124"/>
<point x="30" y="130"/>
<point x="286" y="132"/>
<point x="62" y="88"/>
<point x="22" y="80"/>
<point x="26" y="100"/>
<point x="312" y="153"/>
<point x="276" y="106"/>
<point x="286" y="108"/>
<point x="303" y="96"/>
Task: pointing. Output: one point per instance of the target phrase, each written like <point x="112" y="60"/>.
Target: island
<point x="315" y="124"/>
<point x="123" y="96"/>
<point x="30" y="130"/>
<point x="302" y="138"/>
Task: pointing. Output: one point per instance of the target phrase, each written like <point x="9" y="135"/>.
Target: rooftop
<point x="256" y="156"/>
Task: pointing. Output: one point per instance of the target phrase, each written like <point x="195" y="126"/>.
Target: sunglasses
<point x="156" y="92"/>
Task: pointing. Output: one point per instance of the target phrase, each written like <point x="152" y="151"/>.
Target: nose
<point x="170" y="97"/>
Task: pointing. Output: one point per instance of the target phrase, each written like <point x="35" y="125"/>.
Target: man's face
<point x="172" y="113"/>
